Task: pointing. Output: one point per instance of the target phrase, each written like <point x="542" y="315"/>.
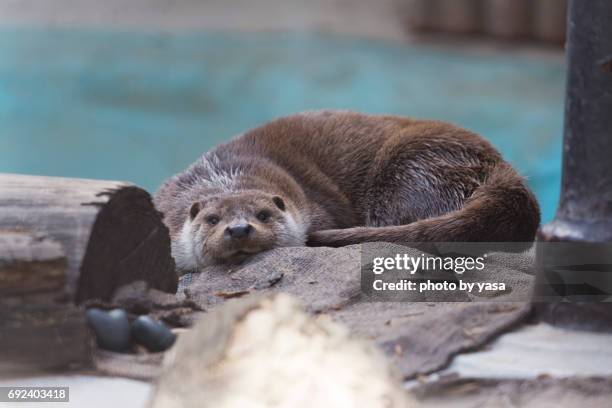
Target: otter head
<point x="233" y="226"/>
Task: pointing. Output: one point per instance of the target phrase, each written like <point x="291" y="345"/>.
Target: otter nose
<point x="239" y="231"/>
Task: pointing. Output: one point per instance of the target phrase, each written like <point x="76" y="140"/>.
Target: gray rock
<point x="421" y="336"/>
<point x="112" y="328"/>
<point x="322" y="278"/>
<point x="152" y="334"/>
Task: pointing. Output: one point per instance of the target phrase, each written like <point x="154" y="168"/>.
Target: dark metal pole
<point x="584" y="215"/>
<point x="585" y="208"/>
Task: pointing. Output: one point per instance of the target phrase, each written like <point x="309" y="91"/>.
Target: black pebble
<point x="152" y="334"/>
<point x="112" y="328"/>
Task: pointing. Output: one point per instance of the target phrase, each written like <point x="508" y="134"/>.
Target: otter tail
<point x="501" y="209"/>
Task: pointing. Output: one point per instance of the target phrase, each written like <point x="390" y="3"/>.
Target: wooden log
<point x="43" y="337"/>
<point x="32" y="268"/>
<point x="110" y="231"/>
<point x="40" y="329"/>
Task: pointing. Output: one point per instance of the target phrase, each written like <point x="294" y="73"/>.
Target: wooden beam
<point x="43" y="337"/>
<point x="30" y="264"/>
<point x="40" y="329"/>
<point x="110" y="231"/>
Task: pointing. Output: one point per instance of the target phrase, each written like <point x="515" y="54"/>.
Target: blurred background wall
<point x="136" y="90"/>
<point x="535" y="21"/>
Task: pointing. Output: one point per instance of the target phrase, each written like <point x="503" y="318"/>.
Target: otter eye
<point x="212" y="220"/>
<point x="263" y="215"/>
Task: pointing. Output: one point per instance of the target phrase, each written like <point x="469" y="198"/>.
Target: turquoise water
<point x="140" y="107"/>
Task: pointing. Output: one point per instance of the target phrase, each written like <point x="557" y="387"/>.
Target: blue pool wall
<point x="141" y="106"/>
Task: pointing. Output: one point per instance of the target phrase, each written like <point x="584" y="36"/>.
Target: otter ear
<point x="279" y="203"/>
<point x="194" y="210"/>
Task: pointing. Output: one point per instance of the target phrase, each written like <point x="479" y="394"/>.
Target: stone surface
<point x="112" y="328"/>
<point x="539" y="350"/>
<point x="424" y="337"/>
<point x="322" y="278"/>
<point x="152" y="334"/>
<point x="543" y="392"/>
<point x="421" y="337"/>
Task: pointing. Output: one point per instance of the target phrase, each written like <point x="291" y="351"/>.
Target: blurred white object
<point x="268" y="352"/>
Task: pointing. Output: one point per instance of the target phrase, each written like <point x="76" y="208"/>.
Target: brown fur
<point x="354" y="178"/>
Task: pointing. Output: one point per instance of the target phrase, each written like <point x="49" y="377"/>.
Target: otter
<point x="335" y="178"/>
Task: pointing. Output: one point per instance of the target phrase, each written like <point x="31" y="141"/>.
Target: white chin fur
<point x="294" y="233"/>
<point x="184" y="250"/>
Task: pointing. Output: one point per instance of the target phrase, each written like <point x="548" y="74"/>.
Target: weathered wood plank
<point x="109" y="230"/>
<point x="30" y="264"/>
<point x="40" y="329"/>
<point x="42" y="337"/>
